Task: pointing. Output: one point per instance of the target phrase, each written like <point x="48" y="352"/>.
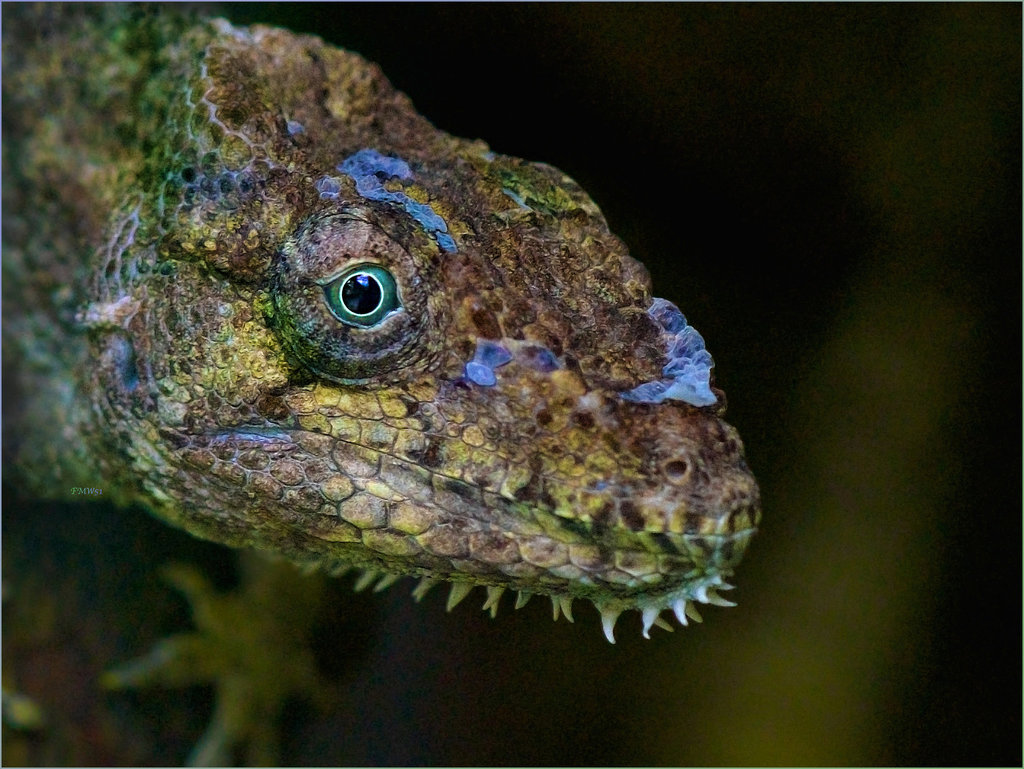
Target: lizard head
<point x="355" y="340"/>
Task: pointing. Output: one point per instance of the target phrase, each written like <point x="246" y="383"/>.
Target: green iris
<point x="363" y="296"/>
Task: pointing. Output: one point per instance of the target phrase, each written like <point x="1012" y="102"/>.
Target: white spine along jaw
<point x="681" y="602"/>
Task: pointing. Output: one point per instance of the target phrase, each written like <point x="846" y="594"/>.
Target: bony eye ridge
<point x="363" y="296"/>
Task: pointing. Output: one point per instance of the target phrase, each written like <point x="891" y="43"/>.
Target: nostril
<point x="677" y="470"/>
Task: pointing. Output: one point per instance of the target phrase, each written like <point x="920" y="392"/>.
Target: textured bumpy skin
<point x="184" y="207"/>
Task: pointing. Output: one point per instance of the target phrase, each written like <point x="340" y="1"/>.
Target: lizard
<point x="248" y="286"/>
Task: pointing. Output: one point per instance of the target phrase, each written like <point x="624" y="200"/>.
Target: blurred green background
<point x="832" y="194"/>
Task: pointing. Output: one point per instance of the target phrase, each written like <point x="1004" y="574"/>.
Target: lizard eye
<point x="363" y="296"/>
<point x="353" y="299"/>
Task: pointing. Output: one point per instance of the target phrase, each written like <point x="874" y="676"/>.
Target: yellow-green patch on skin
<point x="337" y="488"/>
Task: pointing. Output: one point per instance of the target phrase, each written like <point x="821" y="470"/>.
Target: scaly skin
<point x="180" y="201"/>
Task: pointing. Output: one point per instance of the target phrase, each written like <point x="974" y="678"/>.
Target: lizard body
<point x="248" y="286"/>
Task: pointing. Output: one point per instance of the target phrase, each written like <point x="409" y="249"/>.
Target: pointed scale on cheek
<point x="264" y="297"/>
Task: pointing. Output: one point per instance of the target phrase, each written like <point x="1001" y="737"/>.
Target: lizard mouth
<point x="671" y="564"/>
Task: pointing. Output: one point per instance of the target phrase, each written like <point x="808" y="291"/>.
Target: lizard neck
<point x="74" y="144"/>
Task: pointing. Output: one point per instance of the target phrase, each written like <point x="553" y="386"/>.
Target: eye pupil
<point x="361" y="294"/>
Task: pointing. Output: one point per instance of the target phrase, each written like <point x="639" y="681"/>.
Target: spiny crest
<point x="681" y="602"/>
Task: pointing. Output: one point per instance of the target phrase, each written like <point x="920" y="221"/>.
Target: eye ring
<point x="363" y="296"/>
<point x="390" y="338"/>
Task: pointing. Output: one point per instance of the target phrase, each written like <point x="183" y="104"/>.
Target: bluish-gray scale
<point x="686" y="375"/>
<point x="369" y="170"/>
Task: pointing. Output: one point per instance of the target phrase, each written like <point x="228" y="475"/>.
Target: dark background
<point x="832" y="194"/>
